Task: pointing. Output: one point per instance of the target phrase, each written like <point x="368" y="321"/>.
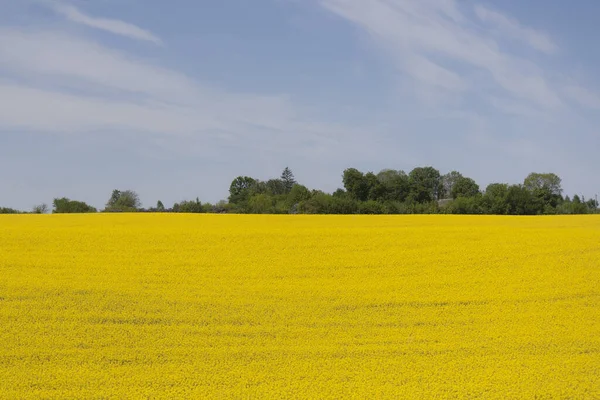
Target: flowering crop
<point x="228" y="306"/>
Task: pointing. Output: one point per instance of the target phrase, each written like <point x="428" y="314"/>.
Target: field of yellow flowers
<point x="230" y="306"/>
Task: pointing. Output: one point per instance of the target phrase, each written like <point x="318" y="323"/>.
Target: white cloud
<point x="59" y="83"/>
<point x="511" y="27"/>
<point x="583" y="96"/>
<point x="432" y="74"/>
<point x="439" y="34"/>
<point x="110" y="25"/>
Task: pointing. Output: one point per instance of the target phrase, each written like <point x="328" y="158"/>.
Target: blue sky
<point x="175" y="99"/>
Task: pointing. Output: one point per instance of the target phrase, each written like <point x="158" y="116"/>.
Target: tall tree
<point x="276" y="187"/>
<point x="494" y="198"/>
<point x="464" y="187"/>
<point x="377" y="190"/>
<point x="124" y="201"/>
<point x="288" y="179"/>
<point x="425" y="184"/>
<point x="546" y="190"/>
<point x="239" y="190"/>
<point x="40" y="209"/>
<point x="448" y="182"/>
<point x="548" y="181"/>
<point x="356" y="184"/>
<point x="396" y="184"/>
<point x="519" y="201"/>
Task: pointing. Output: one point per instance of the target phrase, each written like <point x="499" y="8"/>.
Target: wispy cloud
<point x="453" y="54"/>
<point x="511" y="27"/>
<point x="583" y="96"/>
<point x="60" y="83"/>
<point x="114" y="26"/>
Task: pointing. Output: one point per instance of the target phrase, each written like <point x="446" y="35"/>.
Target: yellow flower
<point x="229" y="306"/>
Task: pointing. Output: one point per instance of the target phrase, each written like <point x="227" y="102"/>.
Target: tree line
<point x="422" y="191"/>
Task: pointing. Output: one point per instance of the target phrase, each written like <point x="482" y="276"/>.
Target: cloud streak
<point x="452" y="53"/>
<point x="511" y="27"/>
<point x="64" y="84"/>
<point x="113" y="26"/>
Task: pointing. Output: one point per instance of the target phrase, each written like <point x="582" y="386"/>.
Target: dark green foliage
<point x="298" y="194"/>
<point x="189" y="206"/>
<point x="377" y="190"/>
<point x="371" y="207"/>
<point x="341" y="193"/>
<point x="223" y="206"/>
<point x="577" y="206"/>
<point x="6" y="210"/>
<point x="318" y="203"/>
<point x="276" y="187"/>
<point x="40" y="209"/>
<point x="396" y="184"/>
<point x="343" y="205"/>
<point x="123" y="201"/>
<point x="494" y="199"/>
<point x="323" y="203"/>
<point x="548" y="182"/>
<point x="287" y="177"/>
<point x="261" y="203"/>
<point x="448" y="182"/>
<point x="425" y="185"/>
<point x="466" y="205"/>
<point x="356" y="184"/>
<point x="67" y="206"/>
<point x="464" y="187"/>
<point x="423" y="191"/>
<point x="520" y="201"/>
<point x="240" y="190"/>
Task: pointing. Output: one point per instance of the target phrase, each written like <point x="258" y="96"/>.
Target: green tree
<point x="276" y="187"/>
<point x="40" y="209"/>
<point x="371" y="207"/>
<point x="494" y="198"/>
<point x="342" y="205"/>
<point x="319" y="203"/>
<point x="520" y="201"/>
<point x="123" y="201"/>
<point x="396" y="184"/>
<point x="464" y="187"/>
<point x="222" y="206"/>
<point x="546" y="191"/>
<point x="377" y="190"/>
<point x="466" y="205"/>
<point x="160" y="207"/>
<point x="356" y="184"/>
<point x="425" y="184"/>
<point x="448" y="182"/>
<point x="189" y="206"/>
<point x="260" y="204"/>
<point x="240" y="190"/>
<point x="548" y="181"/>
<point x="65" y="205"/>
<point x="7" y="210"/>
<point x="287" y="177"/>
<point x="298" y="194"/>
<point x="574" y="206"/>
<point x="592" y="205"/>
<point x="341" y="193"/>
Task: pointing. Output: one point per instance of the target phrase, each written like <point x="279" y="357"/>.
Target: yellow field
<point x="224" y="306"/>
